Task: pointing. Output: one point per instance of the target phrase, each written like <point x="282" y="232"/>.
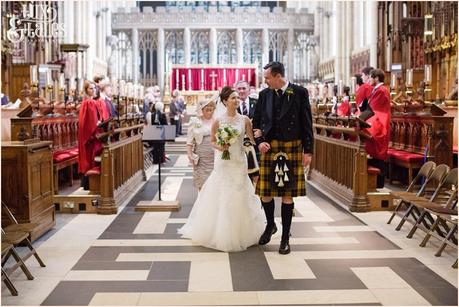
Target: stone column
<point x="187" y="46"/>
<point x="339" y="46"/>
<point x="326" y="35"/>
<point x="239" y="46"/>
<point x="135" y="54"/>
<point x="373" y="31"/>
<point x="76" y="25"/>
<point x="213" y="46"/>
<point x="161" y="58"/>
<point x="265" y="42"/>
<point x="349" y="41"/>
<point x="290" y="38"/>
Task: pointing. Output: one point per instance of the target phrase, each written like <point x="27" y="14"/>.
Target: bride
<point x="227" y="214"/>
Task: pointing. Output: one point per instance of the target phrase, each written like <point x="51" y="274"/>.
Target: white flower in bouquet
<point x="226" y="135"/>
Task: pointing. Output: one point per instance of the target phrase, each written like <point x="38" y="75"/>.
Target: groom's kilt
<point x="265" y="186"/>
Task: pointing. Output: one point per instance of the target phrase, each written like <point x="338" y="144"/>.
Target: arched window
<point x="174" y="46"/>
<point x="148" y="48"/>
<point x="278" y="46"/>
<point x="252" y="48"/>
<point x="200" y="47"/>
<point x="124" y="55"/>
<point x="226" y="50"/>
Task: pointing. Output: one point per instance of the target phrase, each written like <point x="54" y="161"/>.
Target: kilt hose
<point x="265" y="185"/>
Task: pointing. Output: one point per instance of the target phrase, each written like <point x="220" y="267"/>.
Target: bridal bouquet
<point x="226" y="135"/>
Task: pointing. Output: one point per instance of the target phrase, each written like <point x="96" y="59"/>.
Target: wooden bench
<point x="415" y="139"/>
<point x="62" y="131"/>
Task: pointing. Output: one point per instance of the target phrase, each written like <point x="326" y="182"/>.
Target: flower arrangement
<point x="226" y="135"/>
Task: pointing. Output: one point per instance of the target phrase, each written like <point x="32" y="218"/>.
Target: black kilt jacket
<point x="295" y="117"/>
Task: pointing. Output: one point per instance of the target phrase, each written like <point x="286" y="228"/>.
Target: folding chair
<point x="7" y="251"/>
<point x="6" y="248"/>
<point x="426" y="208"/>
<point x="15" y="225"/>
<point x="438" y="175"/>
<point x="16" y="238"/>
<point x="424" y="173"/>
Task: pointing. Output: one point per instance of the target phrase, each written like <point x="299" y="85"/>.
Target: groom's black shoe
<point x="266" y="236"/>
<point x="284" y="247"/>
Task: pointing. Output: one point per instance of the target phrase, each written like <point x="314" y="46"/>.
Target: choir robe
<point x="379" y="102"/>
<point x="344" y="108"/>
<point x="362" y="93"/>
<point x="103" y="109"/>
<point x="88" y="146"/>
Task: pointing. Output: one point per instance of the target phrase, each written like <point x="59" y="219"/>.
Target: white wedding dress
<point x="227" y="215"/>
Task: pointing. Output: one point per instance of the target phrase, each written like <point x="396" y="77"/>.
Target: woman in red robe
<point x="89" y="118"/>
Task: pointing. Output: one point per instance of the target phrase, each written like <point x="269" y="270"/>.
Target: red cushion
<point x="61" y="157"/>
<point x="93" y="171"/>
<point x="455" y="149"/>
<point x="406" y="156"/>
<point x="373" y="170"/>
<point x="74" y="152"/>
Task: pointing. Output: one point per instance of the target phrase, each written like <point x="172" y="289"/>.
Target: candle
<point x="72" y="84"/>
<point x="122" y="88"/>
<point x="189" y="80"/>
<point x="183" y="82"/>
<point x="202" y="79"/>
<point x="340" y="88"/>
<point x="330" y="89"/>
<point x="243" y="77"/>
<point x="353" y="85"/>
<point x="321" y="91"/>
<point x="142" y="91"/>
<point x="428" y="73"/>
<point x="33" y="74"/>
<point x="409" y="77"/>
<point x="224" y="77"/>
<point x="393" y="80"/>
<point x="237" y="74"/>
<point x="61" y="81"/>
<point x="114" y="86"/>
<point x="248" y="75"/>
<point x="56" y="90"/>
<point x="80" y="85"/>
<point x="177" y="81"/>
<point x="49" y="79"/>
<point x="129" y="90"/>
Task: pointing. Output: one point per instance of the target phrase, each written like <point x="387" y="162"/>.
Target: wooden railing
<point x="339" y="165"/>
<point x="122" y="166"/>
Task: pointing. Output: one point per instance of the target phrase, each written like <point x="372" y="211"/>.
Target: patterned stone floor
<point x="137" y="258"/>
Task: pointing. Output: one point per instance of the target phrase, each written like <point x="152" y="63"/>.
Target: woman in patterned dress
<point x="199" y="149"/>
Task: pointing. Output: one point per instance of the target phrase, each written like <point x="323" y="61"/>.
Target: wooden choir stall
<point x="339" y="166"/>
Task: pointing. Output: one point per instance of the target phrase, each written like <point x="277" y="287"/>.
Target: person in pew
<point x="379" y="103"/>
<point x="344" y="109"/>
<point x="199" y="148"/>
<point x="158" y="117"/>
<point x="88" y="145"/>
<point x="364" y="91"/>
<point x="106" y="96"/>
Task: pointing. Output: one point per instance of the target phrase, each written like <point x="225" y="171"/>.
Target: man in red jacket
<point x="379" y="103"/>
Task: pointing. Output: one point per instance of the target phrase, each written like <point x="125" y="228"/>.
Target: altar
<point x="200" y="82"/>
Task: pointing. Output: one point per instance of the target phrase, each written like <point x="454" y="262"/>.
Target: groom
<point x="283" y="130"/>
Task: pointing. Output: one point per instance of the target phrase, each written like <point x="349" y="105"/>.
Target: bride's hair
<point x="225" y="93"/>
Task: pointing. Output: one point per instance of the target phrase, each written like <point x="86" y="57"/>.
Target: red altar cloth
<point x="208" y="79"/>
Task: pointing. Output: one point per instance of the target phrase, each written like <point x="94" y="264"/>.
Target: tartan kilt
<point x="265" y="186"/>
